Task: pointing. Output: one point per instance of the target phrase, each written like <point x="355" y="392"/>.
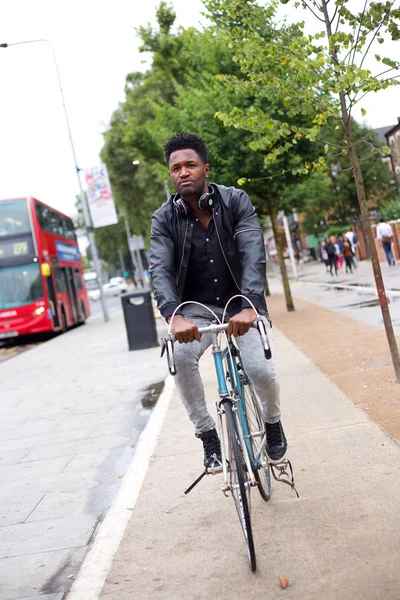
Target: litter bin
<point x="139" y="320"/>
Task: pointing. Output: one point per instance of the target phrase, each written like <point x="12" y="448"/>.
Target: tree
<point x="390" y="211"/>
<point x="329" y="198"/>
<point x="197" y="98"/>
<point x="179" y="92"/>
<point x="318" y="78"/>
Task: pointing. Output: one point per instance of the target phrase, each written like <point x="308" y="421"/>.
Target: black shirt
<point x="209" y="279"/>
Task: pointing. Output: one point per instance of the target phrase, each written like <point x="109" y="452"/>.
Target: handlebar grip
<point x="170" y="356"/>
<point x="264" y="338"/>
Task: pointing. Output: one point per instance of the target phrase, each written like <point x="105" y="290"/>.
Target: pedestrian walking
<point x="385" y="234"/>
<point x="340" y="245"/>
<point x="324" y="256"/>
<point x="332" y="250"/>
<point x="348" y="255"/>
<point x="352" y="236"/>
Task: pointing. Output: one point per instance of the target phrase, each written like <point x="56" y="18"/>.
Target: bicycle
<point x="245" y="463"/>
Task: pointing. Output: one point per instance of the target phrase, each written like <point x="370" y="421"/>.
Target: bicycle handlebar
<point x="167" y="343"/>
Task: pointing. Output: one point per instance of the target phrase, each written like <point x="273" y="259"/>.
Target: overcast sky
<point x="96" y="47"/>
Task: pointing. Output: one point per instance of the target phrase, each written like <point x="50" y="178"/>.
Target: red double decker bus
<point x="41" y="273"/>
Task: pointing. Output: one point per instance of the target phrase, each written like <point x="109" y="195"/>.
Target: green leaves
<point x="385" y="150"/>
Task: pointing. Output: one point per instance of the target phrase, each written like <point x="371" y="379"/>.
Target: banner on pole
<point x="100" y="198"/>
<point x="136" y="242"/>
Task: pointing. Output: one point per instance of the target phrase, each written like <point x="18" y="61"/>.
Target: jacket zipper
<point x="183" y="251"/>
<point x="223" y="253"/>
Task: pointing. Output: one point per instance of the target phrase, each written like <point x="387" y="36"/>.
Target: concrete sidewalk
<point x="71" y="412"/>
<point x="339" y="540"/>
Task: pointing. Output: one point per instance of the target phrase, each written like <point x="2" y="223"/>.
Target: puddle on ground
<point x="335" y="288"/>
<point x="364" y="304"/>
<point x="151" y="394"/>
<point x="369" y="303"/>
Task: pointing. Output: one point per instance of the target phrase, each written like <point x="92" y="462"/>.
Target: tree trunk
<point x="372" y="247"/>
<point x="278" y="244"/>
<point x="358" y="178"/>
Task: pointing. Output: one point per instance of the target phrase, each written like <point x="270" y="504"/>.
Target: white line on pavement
<point x="97" y="563"/>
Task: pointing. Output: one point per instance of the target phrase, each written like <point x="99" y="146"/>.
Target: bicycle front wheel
<point x="239" y="484"/>
<point x="256" y="427"/>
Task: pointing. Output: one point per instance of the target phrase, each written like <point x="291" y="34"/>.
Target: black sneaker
<point x="212" y="450"/>
<point x="276" y="442"/>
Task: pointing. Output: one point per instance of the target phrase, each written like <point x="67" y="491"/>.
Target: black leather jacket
<point x="241" y="240"/>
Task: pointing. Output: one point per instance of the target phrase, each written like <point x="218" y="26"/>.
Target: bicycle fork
<point x="224" y="397"/>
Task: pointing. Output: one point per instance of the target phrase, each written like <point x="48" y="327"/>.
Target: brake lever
<point x="167" y="344"/>
<point x="170" y="356"/>
<point x="264" y="338"/>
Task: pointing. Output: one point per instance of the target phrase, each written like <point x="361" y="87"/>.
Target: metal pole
<point x="121" y="260"/>
<point x="135" y="266"/>
<point x="140" y="263"/>
<point x="166" y="187"/>
<point x="85" y="208"/>
<point x="289" y="245"/>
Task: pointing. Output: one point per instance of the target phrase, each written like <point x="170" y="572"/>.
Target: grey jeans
<point x="261" y="371"/>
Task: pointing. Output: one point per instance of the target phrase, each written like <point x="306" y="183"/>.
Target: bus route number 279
<point x="20" y="248"/>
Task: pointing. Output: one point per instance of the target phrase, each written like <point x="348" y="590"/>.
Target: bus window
<point x="14" y="218"/>
<point x="69" y="231"/>
<point x="20" y="285"/>
<point x="49" y="220"/>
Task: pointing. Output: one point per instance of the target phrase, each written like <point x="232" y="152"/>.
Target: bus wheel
<point x="83" y="311"/>
<point x="63" y="321"/>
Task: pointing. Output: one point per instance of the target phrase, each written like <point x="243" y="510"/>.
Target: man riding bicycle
<point x="207" y="246"/>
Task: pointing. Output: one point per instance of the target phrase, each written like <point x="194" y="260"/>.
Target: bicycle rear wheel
<point x="239" y="485"/>
<point x="257" y="432"/>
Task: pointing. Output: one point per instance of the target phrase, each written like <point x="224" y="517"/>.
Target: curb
<point x="97" y="562"/>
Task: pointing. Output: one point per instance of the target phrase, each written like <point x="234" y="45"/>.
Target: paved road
<point x="8" y="351"/>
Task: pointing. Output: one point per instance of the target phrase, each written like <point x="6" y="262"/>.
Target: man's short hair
<point x="381" y="220"/>
<point x="186" y="141"/>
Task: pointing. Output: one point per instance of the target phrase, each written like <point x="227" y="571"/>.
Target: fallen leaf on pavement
<point x="302" y="469"/>
<point x="283" y="582"/>
<point x="326" y="525"/>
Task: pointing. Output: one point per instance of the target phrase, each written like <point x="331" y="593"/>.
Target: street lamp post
<point x="136" y="260"/>
<point x="85" y="208"/>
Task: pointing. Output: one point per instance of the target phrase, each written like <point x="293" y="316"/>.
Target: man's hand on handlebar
<point x="240" y="323"/>
<point x="184" y="331"/>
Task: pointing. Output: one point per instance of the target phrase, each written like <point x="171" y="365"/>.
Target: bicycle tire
<point x="237" y="479"/>
<point x="255" y="423"/>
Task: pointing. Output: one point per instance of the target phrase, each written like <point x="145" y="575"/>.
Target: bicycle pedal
<point x="214" y="470"/>
<point x="284" y="475"/>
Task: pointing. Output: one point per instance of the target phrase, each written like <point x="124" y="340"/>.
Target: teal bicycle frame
<point x="231" y="357"/>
